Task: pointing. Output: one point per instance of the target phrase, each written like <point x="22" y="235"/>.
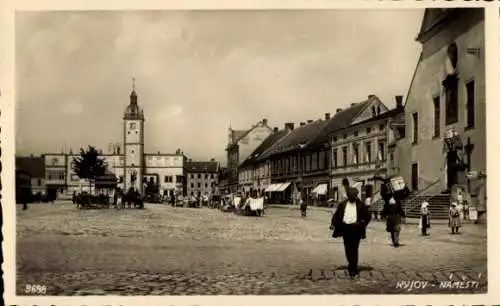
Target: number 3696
<point x="35" y="289"/>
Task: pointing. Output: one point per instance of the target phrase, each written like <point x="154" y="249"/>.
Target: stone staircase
<point x="439" y="206"/>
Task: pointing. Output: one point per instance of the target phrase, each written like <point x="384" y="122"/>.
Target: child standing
<point x="454" y="219"/>
<point x="424" y="218"/>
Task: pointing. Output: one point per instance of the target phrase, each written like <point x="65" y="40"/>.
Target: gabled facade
<point x="447" y="93"/>
<point x="255" y="172"/>
<point x="361" y="150"/>
<point x="240" y="145"/>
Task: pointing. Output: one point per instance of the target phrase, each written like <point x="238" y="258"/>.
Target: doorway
<point x="414" y="176"/>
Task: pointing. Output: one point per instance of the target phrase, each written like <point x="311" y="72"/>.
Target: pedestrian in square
<point x="393" y="214"/>
<point x="425" y="222"/>
<point x="349" y="222"/>
<point x="303" y="206"/>
<point x="454" y="219"/>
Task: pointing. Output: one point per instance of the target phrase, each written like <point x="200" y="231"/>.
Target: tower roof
<point x="133" y="112"/>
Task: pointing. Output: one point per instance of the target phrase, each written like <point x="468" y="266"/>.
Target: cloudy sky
<point x="197" y="72"/>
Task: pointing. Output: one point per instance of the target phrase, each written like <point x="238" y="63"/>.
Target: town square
<point x="251" y="153"/>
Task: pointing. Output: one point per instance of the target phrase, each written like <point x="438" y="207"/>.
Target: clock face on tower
<point x="132" y="126"/>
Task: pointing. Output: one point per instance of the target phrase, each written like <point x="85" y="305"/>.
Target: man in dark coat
<point x="349" y="222"/>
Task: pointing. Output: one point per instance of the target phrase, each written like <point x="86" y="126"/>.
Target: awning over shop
<point x="321" y="189"/>
<point x="271" y="187"/>
<point x="282" y="187"/>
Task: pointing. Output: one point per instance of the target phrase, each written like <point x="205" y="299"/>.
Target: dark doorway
<point x="414" y="176"/>
<point x="369" y="190"/>
<point x="451" y="165"/>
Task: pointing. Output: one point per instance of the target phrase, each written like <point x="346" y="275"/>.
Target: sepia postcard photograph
<point x="257" y="152"/>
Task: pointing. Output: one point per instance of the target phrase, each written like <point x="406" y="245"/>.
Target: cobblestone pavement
<point x="172" y="251"/>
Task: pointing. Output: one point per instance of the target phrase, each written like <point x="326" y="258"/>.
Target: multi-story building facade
<point x="201" y="177"/>
<point x="133" y="167"/>
<point x="447" y="93"/>
<point x="360" y="150"/>
<point x="255" y="172"/>
<point x="240" y="145"/>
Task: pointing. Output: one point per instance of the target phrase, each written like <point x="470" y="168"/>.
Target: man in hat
<point x="349" y="222"/>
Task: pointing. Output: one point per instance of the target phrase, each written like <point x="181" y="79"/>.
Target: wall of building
<point x="201" y="183"/>
<point x="430" y="72"/>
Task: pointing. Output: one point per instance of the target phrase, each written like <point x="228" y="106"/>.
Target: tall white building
<point x="132" y="166"/>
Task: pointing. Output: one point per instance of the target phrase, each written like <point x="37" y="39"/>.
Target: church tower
<point x="133" y="144"/>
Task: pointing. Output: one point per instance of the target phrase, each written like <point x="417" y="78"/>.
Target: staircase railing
<point x="413" y="197"/>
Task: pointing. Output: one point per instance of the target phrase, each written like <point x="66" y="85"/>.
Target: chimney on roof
<point x="31" y="155"/>
<point x="338" y="110"/>
<point x="158" y="152"/>
<point x="289" y="126"/>
<point x="310" y="121"/>
<point x="352" y="104"/>
<point x="190" y="160"/>
<point x="327" y="116"/>
<point x="399" y="101"/>
<point x="264" y="121"/>
<point x="302" y="123"/>
<point x="212" y="159"/>
<point x="275" y="130"/>
<point x="371" y="96"/>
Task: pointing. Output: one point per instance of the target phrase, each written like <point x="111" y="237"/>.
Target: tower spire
<point x="133" y="84"/>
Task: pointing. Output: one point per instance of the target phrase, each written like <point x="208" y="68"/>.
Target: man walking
<point x="349" y="222"/>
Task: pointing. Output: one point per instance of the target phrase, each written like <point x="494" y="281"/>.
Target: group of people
<point x="352" y="217"/>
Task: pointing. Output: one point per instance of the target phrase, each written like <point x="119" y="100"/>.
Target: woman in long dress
<point x="393" y="214"/>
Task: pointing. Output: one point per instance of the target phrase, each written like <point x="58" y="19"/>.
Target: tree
<point x="89" y="165"/>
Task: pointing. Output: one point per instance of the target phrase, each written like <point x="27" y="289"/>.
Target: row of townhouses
<point x="434" y="137"/>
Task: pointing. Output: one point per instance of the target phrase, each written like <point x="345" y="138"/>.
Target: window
<point x="451" y="89"/>
<point x="206" y="185"/>
<point x="471" y="97"/>
<point x="308" y="163"/>
<point x="374" y="112"/>
<point x="368" y="152"/>
<point x="212" y="176"/>
<point x="381" y="127"/>
<point x="168" y="179"/>
<point x="356" y="133"/>
<point x="199" y="185"/>
<point x="414" y="176"/>
<point x="199" y="176"/>
<point x="192" y="185"/>
<point x="437" y="117"/>
<point x="344" y="136"/>
<point x="415" y="128"/>
<point x="335" y="158"/>
<point x="368" y="130"/>
<point x="335" y="139"/>
<point x="381" y="151"/>
<point x="179" y="179"/>
<point x="206" y="176"/>
<point x="327" y="161"/>
<point x="314" y="160"/>
<point x="378" y="110"/>
<point x="121" y="178"/>
<point x="344" y="156"/>
<point x="355" y="155"/>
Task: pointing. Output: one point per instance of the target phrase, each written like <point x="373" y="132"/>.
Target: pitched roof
<point x="201" y="167"/>
<point x="385" y="115"/>
<point x="297" y="138"/>
<point x="340" y="120"/>
<point x="266" y="144"/>
<point x="35" y="166"/>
